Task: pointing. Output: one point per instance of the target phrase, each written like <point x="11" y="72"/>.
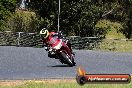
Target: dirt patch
<point x="12" y="82"/>
<point x="20" y="82"/>
<point x="53" y="81"/>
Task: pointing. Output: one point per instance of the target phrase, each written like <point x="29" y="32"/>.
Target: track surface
<point x="33" y="63"/>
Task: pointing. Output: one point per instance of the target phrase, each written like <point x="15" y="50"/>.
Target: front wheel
<point x="67" y="59"/>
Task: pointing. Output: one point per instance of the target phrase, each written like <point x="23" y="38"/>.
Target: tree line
<point x="77" y="17"/>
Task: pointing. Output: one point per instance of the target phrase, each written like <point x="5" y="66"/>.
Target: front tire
<point x="67" y="59"/>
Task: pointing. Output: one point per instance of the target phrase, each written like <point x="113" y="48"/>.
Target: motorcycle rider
<point x="52" y="39"/>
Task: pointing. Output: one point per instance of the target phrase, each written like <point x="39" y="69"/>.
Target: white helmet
<point x="44" y="32"/>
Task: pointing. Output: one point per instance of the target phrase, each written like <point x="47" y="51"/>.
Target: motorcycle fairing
<point x="59" y="45"/>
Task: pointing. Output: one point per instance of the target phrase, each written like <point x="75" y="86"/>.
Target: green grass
<point x="116" y="45"/>
<point x="113" y="32"/>
<point x="64" y="84"/>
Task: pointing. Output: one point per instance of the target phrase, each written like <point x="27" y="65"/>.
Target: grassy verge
<point x="58" y="84"/>
<point x="116" y="45"/>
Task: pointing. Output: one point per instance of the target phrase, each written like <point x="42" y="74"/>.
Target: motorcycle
<point x="58" y="52"/>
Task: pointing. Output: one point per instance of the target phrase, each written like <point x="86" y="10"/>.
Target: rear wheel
<point x="67" y="59"/>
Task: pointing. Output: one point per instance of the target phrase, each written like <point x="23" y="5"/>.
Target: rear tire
<point x="67" y="59"/>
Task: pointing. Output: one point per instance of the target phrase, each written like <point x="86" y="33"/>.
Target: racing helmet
<point x="44" y="32"/>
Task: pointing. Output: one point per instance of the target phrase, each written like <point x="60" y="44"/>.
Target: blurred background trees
<point x="7" y="8"/>
<point x="77" y="17"/>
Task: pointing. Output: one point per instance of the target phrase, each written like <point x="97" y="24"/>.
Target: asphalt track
<point x="33" y="63"/>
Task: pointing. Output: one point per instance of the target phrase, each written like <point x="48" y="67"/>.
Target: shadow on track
<point x="59" y="66"/>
